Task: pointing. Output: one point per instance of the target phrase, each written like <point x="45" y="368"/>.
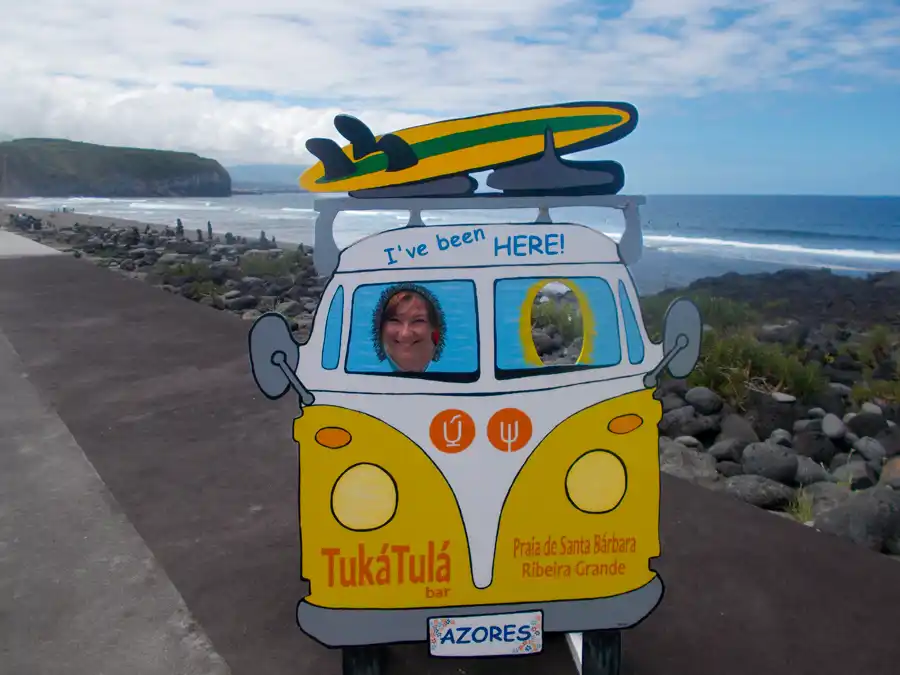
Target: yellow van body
<point x="395" y="532"/>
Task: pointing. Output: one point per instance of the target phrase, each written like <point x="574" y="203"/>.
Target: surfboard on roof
<point x="521" y="147"/>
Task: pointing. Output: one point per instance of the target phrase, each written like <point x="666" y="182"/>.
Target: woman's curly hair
<point x="435" y="315"/>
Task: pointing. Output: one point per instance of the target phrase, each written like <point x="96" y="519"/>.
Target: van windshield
<point x="426" y="330"/>
<point x="551" y="325"/>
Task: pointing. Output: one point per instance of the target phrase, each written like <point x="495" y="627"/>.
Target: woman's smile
<point x="407" y="334"/>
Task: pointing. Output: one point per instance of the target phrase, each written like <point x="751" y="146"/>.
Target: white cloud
<point x="154" y="74"/>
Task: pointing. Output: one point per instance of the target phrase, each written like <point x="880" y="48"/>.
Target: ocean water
<point x="686" y="237"/>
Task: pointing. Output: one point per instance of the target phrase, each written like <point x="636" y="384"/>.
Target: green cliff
<point x="46" y="167"/>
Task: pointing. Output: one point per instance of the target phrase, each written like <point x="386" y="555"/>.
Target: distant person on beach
<point x="408" y="328"/>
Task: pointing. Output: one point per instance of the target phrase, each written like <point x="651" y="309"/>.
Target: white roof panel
<point x="479" y="245"/>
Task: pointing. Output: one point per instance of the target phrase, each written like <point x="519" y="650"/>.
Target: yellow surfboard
<point x="483" y="142"/>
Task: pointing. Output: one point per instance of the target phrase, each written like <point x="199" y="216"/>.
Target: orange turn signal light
<point x="333" y="437"/>
<point x="625" y="424"/>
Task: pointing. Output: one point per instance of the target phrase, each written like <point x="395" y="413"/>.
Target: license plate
<point x="519" y="633"/>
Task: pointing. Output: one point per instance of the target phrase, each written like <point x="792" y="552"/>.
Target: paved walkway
<point x="14" y="246"/>
<point x="156" y="391"/>
<point x="79" y="590"/>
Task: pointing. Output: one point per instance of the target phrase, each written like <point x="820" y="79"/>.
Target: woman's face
<point x="406" y="335"/>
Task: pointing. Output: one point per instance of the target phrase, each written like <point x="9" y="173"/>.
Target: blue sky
<point x="788" y="143"/>
<point x="735" y="96"/>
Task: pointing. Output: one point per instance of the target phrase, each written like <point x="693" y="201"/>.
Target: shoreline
<point x="658" y="270"/>
<point x="794" y="406"/>
<point x="62" y="220"/>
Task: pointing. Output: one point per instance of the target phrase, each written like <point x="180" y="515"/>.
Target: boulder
<point x="759" y="491"/>
<point x="809" y="472"/>
<point x="859" y="475"/>
<point x="841" y="390"/>
<point x="289" y="308"/>
<point x="729" y="469"/>
<point x="871" y="449"/>
<point x="870" y="518"/>
<point x="677" y="460"/>
<point x="868" y="424"/>
<point x="673" y="386"/>
<point x="671" y="402"/>
<point x="890" y="441"/>
<point x="833" y="426"/>
<point x="766" y="414"/>
<point x="815" y="445"/>
<point x="890" y="473"/>
<point x="240" y="303"/>
<point x="770" y="461"/>
<point x="705" y="401"/>
<point x="826" y="496"/>
<point x="783" y="397"/>
<point x="839" y="459"/>
<point x="737" y="427"/>
<point x="807" y="425"/>
<point x="728" y="449"/>
<point x="871" y="408"/>
<point x="781" y="437"/>
<point x="686" y="422"/>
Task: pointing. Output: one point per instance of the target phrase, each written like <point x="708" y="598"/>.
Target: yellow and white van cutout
<point x="454" y="488"/>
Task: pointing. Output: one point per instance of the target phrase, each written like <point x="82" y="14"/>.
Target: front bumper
<point x="350" y="627"/>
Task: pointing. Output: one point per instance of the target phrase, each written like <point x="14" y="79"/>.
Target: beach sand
<point x="58" y="220"/>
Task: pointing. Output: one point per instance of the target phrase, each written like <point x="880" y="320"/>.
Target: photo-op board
<point x="478" y="432"/>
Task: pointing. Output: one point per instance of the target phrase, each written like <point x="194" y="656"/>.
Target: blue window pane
<point x="334" y="324"/>
<point x="632" y="330"/>
<point x="600" y="317"/>
<point x="458" y="351"/>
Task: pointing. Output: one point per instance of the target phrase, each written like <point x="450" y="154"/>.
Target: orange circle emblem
<point x="452" y="431"/>
<point x="509" y="430"/>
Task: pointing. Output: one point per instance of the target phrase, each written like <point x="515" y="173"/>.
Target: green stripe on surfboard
<point x="443" y="145"/>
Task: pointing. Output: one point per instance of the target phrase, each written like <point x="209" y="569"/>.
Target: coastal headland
<point x="50" y="167"/>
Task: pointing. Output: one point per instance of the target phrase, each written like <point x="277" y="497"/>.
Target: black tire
<point x="601" y="652"/>
<point x="364" y="660"/>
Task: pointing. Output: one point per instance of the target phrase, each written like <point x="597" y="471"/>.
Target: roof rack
<point x="326" y="251"/>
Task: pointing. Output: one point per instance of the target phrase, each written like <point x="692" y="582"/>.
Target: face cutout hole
<point x="410" y="330"/>
<point x="557" y="326"/>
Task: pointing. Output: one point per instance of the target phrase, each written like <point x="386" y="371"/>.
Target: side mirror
<point x="274" y="357"/>
<point x="682" y="335"/>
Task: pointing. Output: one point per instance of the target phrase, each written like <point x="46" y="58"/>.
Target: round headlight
<point x="596" y="482"/>
<point x="364" y="498"/>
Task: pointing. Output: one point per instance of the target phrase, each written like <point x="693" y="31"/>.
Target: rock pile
<point x="228" y="273"/>
<point x="834" y="469"/>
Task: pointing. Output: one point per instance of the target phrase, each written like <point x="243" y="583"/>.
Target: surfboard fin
<point x="360" y="136"/>
<point x="551" y="174"/>
<point x="336" y="164"/>
<point x="399" y="153"/>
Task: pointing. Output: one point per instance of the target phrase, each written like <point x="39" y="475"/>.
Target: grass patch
<point x="192" y="271"/>
<point x="732" y="361"/>
<point x="875" y="347"/>
<point x="721" y="314"/>
<point x="735" y="363"/>
<point x="562" y="315"/>
<point x="203" y="288"/>
<point x="801" y="507"/>
<point x="875" y="389"/>
<point x="288" y="263"/>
